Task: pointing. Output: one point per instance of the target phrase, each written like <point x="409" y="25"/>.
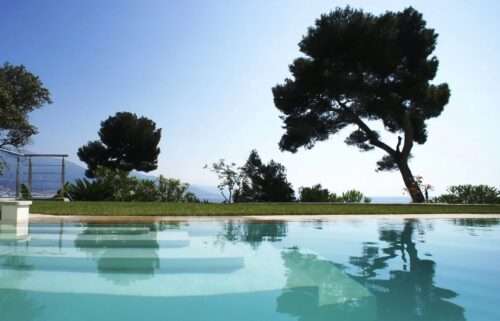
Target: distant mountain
<point x="208" y="193"/>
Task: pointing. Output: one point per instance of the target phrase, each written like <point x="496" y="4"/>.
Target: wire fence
<point x="31" y="175"/>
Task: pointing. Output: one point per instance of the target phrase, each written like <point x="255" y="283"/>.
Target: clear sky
<point x="203" y="70"/>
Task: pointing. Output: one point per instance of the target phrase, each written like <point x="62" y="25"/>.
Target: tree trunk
<point x="411" y="184"/>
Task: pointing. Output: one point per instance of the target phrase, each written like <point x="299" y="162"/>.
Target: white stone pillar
<point x="15" y="212"/>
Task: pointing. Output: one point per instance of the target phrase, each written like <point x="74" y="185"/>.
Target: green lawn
<point x="156" y="208"/>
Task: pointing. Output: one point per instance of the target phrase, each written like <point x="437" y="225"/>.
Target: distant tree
<point x="470" y="194"/>
<point x="263" y="182"/>
<point x="358" y="68"/>
<point x="253" y="233"/>
<point x="316" y="193"/>
<point x="253" y="182"/>
<point x="190" y="197"/>
<point x="354" y="196"/>
<point x="250" y="189"/>
<point x="173" y="190"/>
<point x="127" y="142"/>
<point x="21" y="92"/>
<point x="229" y="178"/>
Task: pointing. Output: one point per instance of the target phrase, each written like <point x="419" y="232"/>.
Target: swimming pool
<point x="216" y="270"/>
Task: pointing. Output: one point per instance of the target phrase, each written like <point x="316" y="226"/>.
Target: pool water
<point x="218" y="270"/>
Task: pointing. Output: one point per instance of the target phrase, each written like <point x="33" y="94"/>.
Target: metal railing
<point x="41" y="170"/>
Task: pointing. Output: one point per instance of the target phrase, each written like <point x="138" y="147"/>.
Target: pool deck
<point x="43" y="218"/>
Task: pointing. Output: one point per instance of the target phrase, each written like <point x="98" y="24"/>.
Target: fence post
<point x="18" y="186"/>
<point x="30" y="176"/>
<point x="63" y="170"/>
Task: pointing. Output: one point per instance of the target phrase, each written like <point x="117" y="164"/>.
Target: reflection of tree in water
<point x="318" y="290"/>
<point x="254" y="233"/>
<point x="410" y="293"/>
<point x="113" y="268"/>
<point x="476" y="222"/>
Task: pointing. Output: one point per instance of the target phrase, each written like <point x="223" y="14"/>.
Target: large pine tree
<point x="127" y="142"/>
<point x="358" y="68"/>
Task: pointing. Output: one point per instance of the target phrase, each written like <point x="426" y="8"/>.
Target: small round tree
<point x="21" y="92"/>
<point x="358" y="68"/>
<point x="127" y="142"/>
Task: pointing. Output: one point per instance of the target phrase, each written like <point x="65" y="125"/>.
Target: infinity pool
<point x="218" y="270"/>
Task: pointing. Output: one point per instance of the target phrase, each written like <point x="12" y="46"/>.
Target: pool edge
<point x="46" y="218"/>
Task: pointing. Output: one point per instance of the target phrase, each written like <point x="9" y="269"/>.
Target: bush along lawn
<point x="204" y="209"/>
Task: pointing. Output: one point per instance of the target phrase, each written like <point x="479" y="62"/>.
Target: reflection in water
<point x="476" y="222"/>
<point x="317" y="290"/>
<point x="109" y="265"/>
<point x="410" y="293"/>
<point x="12" y="300"/>
<point x="17" y="305"/>
<point x="14" y="235"/>
<point x="14" y="231"/>
<point x="175" y="271"/>
<point x="254" y="233"/>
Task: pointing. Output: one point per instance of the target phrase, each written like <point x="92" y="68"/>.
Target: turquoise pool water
<point x="359" y="269"/>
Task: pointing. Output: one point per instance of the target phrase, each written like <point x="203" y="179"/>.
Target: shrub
<point x="89" y="190"/>
<point x="470" y="194"/>
<point x="190" y="197"/>
<point x="25" y="192"/>
<point x="352" y="196"/>
<point x="117" y="185"/>
<point x="171" y="189"/>
<point x="144" y="191"/>
<point x="120" y="184"/>
<point x="316" y="193"/>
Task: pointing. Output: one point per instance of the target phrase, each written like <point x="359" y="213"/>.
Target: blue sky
<point x="203" y="70"/>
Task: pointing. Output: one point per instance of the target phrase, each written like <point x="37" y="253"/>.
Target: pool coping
<point x="45" y="218"/>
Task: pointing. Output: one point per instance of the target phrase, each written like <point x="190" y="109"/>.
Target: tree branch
<point x="372" y="136"/>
